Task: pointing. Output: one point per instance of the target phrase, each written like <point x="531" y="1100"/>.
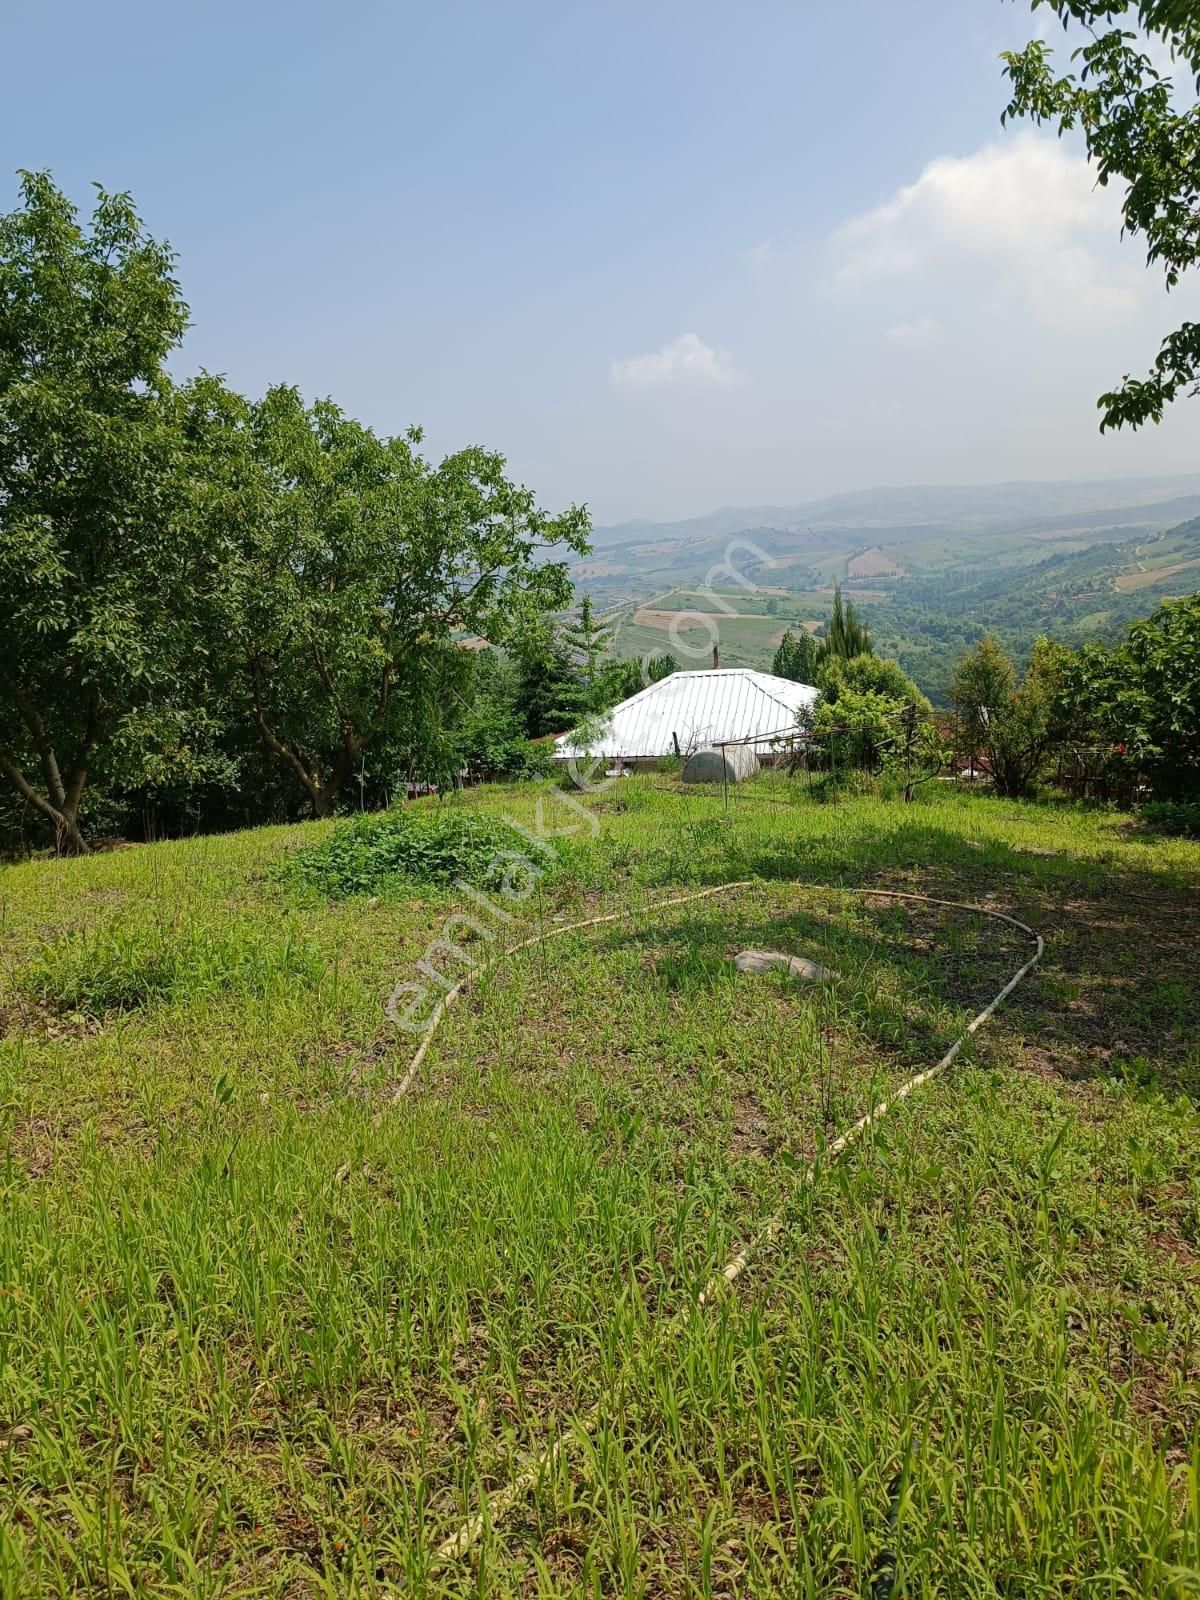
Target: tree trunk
<point x="70" y="841"/>
<point x="63" y="818"/>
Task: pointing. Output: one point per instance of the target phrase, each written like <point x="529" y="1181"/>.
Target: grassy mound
<point x="268" y="1331"/>
<point x="390" y="849"/>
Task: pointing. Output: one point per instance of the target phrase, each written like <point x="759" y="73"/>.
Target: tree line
<point x="1111" y="721"/>
<point x="219" y="611"/>
<point x="244" y="605"/>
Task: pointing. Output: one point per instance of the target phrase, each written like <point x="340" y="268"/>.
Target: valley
<point x="930" y="571"/>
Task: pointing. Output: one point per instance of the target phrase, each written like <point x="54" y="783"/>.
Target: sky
<point x="664" y="256"/>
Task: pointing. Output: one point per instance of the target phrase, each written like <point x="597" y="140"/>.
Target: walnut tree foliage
<point x="186" y="575"/>
<point x="355" y="566"/>
<point x="97" y="568"/>
<point x="1138" y="136"/>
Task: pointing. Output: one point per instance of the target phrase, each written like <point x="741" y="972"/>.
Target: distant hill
<point x="927" y="589"/>
<point x="995" y="506"/>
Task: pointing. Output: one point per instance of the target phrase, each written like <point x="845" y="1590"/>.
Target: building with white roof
<point x="689" y="709"/>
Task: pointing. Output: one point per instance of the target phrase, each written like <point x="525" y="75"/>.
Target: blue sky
<point x="664" y="256"/>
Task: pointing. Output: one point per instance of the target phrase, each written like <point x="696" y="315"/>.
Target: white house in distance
<point x="688" y="710"/>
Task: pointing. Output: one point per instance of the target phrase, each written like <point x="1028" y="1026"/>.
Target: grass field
<point x="266" y="1329"/>
<point x="744" y="641"/>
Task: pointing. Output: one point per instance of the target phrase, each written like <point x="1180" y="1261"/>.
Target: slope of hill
<point x="270" y="1330"/>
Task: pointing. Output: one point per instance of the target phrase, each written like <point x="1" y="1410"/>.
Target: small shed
<point x="716" y="765"/>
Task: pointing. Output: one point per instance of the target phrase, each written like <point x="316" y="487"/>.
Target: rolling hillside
<point x="284" y="1316"/>
<point x="1080" y="569"/>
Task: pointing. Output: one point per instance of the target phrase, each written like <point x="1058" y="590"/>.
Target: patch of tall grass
<point x="121" y="965"/>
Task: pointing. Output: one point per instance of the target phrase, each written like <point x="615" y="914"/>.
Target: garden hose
<point x="497" y="1505"/>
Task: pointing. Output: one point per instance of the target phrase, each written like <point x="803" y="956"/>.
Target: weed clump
<point x="125" y="965"/>
<point x="389" y="849"/>
<point x="1178" y="818"/>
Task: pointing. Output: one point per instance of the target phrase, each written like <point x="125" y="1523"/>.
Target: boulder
<point x="796" y="966"/>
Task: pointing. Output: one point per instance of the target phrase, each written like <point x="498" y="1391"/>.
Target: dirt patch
<point x="873" y="563"/>
<point x="752" y="1133"/>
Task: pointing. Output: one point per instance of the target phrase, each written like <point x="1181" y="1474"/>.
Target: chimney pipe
<point x="716" y="657"/>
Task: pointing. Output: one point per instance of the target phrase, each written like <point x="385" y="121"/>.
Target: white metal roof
<point x="700" y="708"/>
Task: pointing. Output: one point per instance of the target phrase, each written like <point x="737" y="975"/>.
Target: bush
<point x="846" y="783"/>
<point x="1178" y="817"/>
<point x="868" y="674"/>
<point x="388" y="849"/>
<point x="126" y="965"/>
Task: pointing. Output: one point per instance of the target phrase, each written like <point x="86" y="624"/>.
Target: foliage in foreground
<point x="1140" y="701"/>
<point x="187" y="576"/>
<point x="1123" y="104"/>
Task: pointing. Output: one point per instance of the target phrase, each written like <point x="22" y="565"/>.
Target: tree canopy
<point x="845" y="635"/>
<point x="1011" y="724"/>
<point x="1124" y="107"/>
<point x="1140" y="700"/>
<point x="796" y="657"/>
<point x="96" y="566"/>
<point x="183" y="571"/>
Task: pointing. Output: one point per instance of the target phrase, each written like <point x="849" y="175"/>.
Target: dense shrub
<point x="1179" y="817"/>
<point x="439" y="845"/>
<point x="1140" y="701"/>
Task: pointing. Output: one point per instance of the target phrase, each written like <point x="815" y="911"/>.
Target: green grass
<point x="744" y="641"/>
<point x="265" y="1332"/>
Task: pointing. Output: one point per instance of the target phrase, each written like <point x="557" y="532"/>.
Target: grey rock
<point x="796" y="966"/>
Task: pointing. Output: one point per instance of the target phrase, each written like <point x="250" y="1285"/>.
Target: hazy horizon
<point x="1150" y="482"/>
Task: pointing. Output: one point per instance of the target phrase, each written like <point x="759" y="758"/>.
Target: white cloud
<point x="1023" y="217"/>
<point x="684" y="360"/>
<point x="921" y="331"/>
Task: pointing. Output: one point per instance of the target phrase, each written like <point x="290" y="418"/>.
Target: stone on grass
<point x="795" y="966"/>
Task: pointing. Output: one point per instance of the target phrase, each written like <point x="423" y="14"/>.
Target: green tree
<point x="488" y="733"/>
<point x="857" y="730"/>
<point x="1124" y="108"/>
<point x="1013" y="726"/>
<point x="796" y="657"/>
<point x="1141" y="699"/>
<point x="551" y="696"/>
<point x="618" y="680"/>
<point x="868" y="674"/>
<point x="845" y="635"/>
<point x="97" y="569"/>
<point x="588" y="639"/>
<point x="357" y="568"/>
